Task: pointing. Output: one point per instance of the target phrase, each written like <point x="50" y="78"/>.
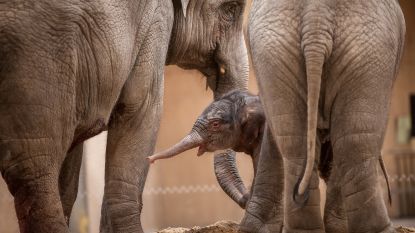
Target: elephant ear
<point x="252" y="119"/>
<point x="184" y="6"/>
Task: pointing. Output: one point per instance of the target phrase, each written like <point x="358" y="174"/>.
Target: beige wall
<point x="8" y="220"/>
<point x="404" y="85"/>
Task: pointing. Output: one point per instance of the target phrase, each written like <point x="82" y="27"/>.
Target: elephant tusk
<point x="222" y="70"/>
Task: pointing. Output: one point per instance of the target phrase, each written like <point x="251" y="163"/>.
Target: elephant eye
<point x="230" y="10"/>
<point x="215" y="125"/>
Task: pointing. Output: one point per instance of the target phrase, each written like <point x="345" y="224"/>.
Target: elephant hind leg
<point x="30" y="171"/>
<point x="304" y="217"/>
<point x="357" y="141"/>
<point x="335" y="220"/>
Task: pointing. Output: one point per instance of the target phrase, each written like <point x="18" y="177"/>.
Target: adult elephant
<point x="71" y="69"/>
<point x="325" y="71"/>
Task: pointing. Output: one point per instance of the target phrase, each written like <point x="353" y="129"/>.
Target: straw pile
<point x="232" y="227"/>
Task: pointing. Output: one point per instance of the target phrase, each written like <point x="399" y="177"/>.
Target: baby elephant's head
<point x="234" y="121"/>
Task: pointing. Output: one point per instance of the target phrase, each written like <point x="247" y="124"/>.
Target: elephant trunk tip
<point x="151" y="159"/>
<point x="191" y="141"/>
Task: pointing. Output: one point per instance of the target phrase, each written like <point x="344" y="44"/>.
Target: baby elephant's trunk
<point x="228" y="177"/>
<point x="192" y="140"/>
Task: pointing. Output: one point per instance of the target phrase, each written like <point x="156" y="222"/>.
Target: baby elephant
<point x="234" y="122"/>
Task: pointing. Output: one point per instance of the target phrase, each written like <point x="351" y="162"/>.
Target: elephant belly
<point x="84" y="134"/>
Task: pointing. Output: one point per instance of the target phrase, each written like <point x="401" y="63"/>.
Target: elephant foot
<point x="389" y="229"/>
<point x="335" y="222"/>
<point x="120" y="217"/>
<point x="285" y="230"/>
<point x="266" y="228"/>
<point x="252" y="224"/>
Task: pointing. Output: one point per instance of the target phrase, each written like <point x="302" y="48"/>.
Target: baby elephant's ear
<point x="252" y="120"/>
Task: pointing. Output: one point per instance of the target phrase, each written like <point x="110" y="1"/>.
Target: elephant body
<point x="71" y="69"/>
<point x="325" y="72"/>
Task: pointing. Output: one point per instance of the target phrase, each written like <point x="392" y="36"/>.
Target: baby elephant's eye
<point x="214" y="125"/>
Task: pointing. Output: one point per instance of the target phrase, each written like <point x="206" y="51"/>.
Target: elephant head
<point x="207" y="35"/>
<point x="235" y="122"/>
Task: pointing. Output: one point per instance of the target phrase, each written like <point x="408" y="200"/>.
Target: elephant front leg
<point x="264" y="211"/>
<point x="30" y="169"/>
<point x="69" y="179"/>
<point x="132" y="136"/>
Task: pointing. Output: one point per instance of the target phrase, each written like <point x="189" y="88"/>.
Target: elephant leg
<point x="358" y="125"/>
<point x="363" y="202"/>
<point x="264" y="211"/>
<point x="130" y="141"/>
<point x="335" y="220"/>
<point x="291" y="138"/>
<point x="132" y="135"/>
<point x="30" y="169"/>
<point x="302" y="214"/>
<point x="69" y="179"/>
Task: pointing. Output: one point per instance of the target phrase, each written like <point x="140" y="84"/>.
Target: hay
<point x="232" y="227"/>
<point x="219" y="227"/>
<point x="402" y="229"/>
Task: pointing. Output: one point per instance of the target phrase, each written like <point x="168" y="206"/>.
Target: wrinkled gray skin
<point x="325" y="70"/>
<point x="236" y="122"/>
<point x="71" y="69"/>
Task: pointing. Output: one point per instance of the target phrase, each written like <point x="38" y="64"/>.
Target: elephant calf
<point x="235" y="121"/>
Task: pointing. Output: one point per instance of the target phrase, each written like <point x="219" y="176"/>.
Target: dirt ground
<point x="219" y="227"/>
<point x="232" y="227"/>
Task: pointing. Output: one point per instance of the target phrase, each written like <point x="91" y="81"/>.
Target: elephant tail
<point x="314" y="66"/>
<point x="316" y="44"/>
<point x="385" y="174"/>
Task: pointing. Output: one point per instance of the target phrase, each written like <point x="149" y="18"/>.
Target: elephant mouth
<point x="202" y="149"/>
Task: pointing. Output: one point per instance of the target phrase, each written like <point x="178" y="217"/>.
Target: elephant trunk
<point x="228" y="177"/>
<point x="192" y="140"/>
<point x="233" y="68"/>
